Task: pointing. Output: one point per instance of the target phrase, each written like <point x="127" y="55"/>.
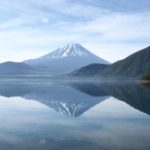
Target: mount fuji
<point x="66" y="59"/>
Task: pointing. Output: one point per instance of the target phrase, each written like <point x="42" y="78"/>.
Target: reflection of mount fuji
<point x="76" y="98"/>
<point x="63" y="99"/>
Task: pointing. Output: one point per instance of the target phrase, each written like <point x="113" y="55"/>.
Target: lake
<point x="74" y="116"/>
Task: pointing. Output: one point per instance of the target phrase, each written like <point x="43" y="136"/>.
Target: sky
<point x="111" y="29"/>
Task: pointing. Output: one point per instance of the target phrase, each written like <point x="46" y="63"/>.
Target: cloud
<point x="39" y="27"/>
<point x="45" y="20"/>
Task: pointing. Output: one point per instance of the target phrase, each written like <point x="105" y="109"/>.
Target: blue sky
<point x="112" y="29"/>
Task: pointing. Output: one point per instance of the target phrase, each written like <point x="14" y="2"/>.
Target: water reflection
<point x="101" y="116"/>
<point x="134" y="94"/>
<point x="62" y="98"/>
<point x="76" y="98"/>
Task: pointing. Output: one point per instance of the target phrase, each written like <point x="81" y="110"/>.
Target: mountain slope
<point x="89" y="70"/>
<point x="15" y="67"/>
<point x="66" y="59"/>
<point x="134" y="65"/>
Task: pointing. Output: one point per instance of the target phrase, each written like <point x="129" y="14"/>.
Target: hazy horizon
<point x="111" y="29"/>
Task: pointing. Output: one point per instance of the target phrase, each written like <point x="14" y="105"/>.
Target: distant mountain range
<point x="76" y="61"/>
<point x="65" y="60"/>
<point x="15" y="68"/>
<point x="133" y="66"/>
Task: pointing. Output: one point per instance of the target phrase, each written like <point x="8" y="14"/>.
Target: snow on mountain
<point x="74" y="109"/>
<point x="66" y="59"/>
<point x="70" y="50"/>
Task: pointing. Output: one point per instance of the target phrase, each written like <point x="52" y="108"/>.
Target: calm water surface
<point x="75" y="116"/>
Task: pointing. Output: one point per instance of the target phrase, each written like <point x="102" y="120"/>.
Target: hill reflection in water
<point x="74" y="116"/>
<point x="73" y="99"/>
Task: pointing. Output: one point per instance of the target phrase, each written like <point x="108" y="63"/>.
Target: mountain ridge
<point x="75" y="60"/>
<point x="133" y="66"/>
<point x="10" y="67"/>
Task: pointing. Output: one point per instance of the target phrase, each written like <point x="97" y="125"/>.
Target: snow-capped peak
<point x="71" y="49"/>
<point x="66" y="59"/>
